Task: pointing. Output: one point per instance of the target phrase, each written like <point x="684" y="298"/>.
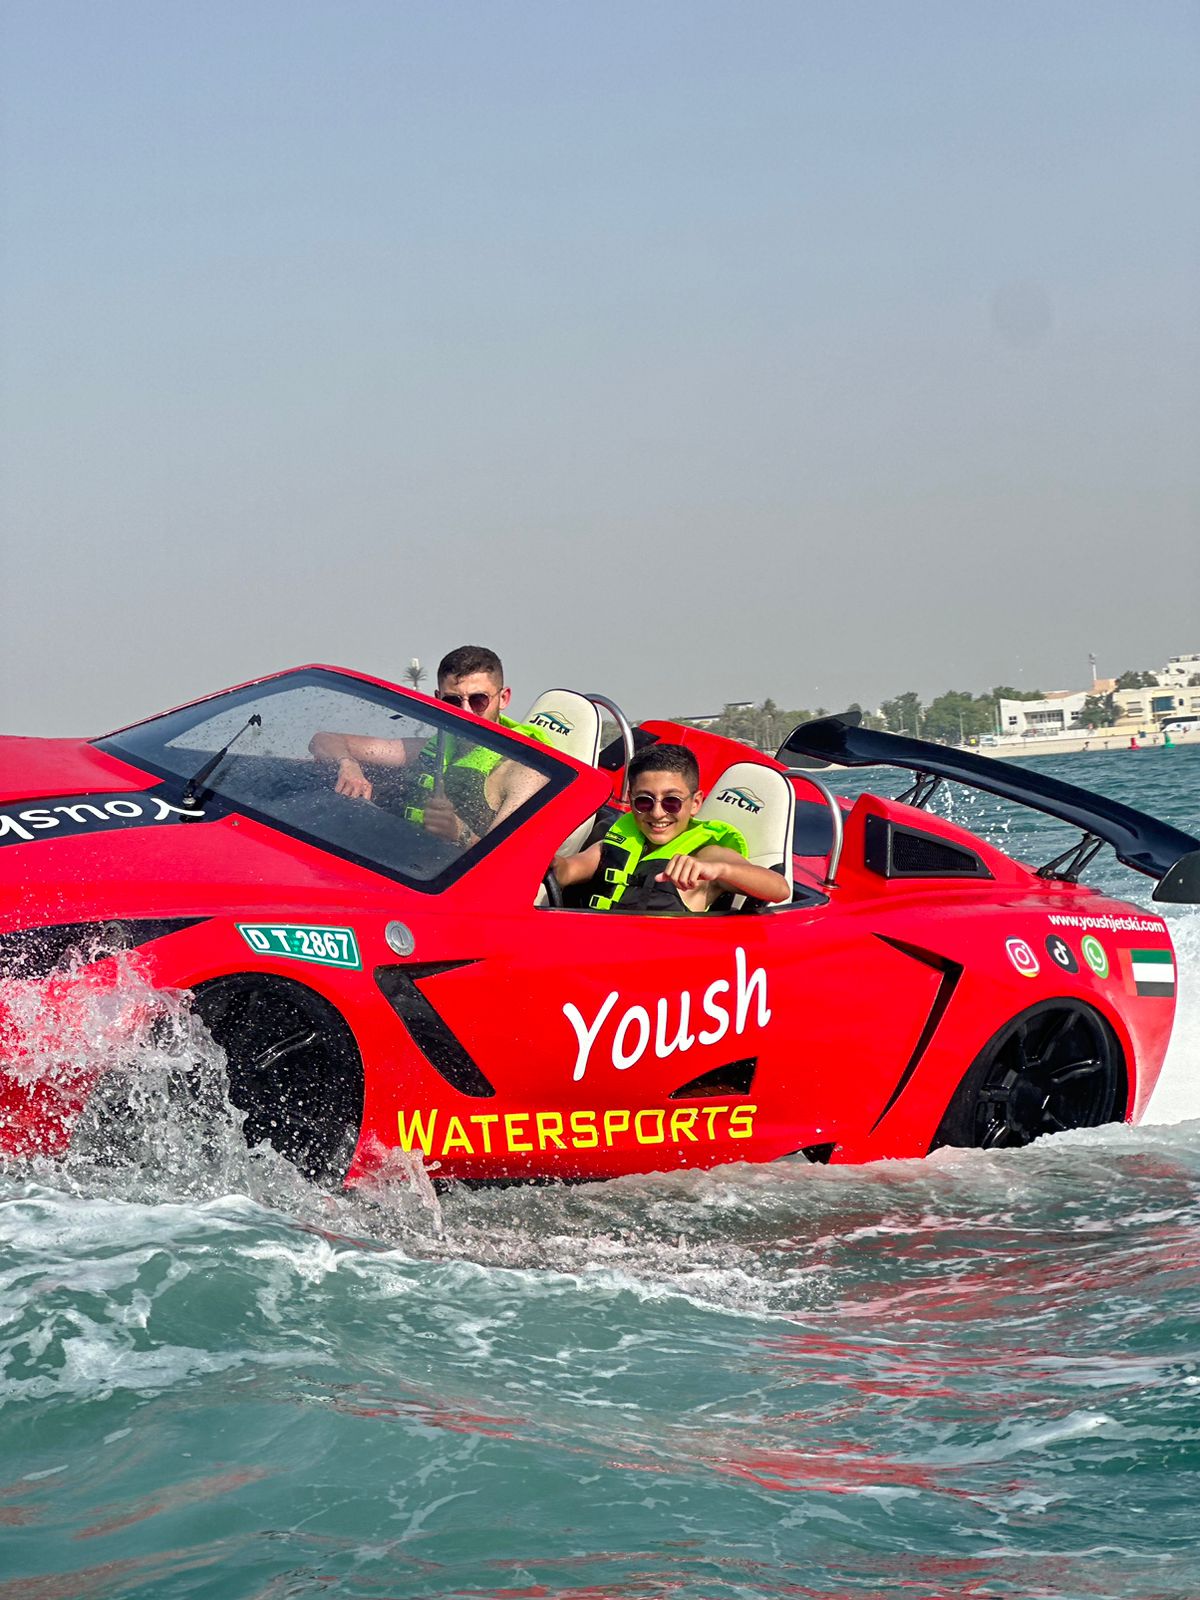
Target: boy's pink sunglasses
<point x="672" y="804"/>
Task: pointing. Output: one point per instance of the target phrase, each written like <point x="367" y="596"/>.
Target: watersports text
<point x="523" y="1132"/>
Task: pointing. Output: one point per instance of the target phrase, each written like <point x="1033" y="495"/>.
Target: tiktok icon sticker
<point x="1023" y="958"/>
<point x="1061" y="954"/>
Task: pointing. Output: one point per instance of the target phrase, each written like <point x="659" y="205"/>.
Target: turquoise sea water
<point x="977" y="1375"/>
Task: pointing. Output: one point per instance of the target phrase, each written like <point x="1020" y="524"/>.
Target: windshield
<point x="364" y="771"/>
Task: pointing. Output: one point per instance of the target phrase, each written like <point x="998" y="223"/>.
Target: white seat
<point x="569" y="722"/>
<point x="761" y="804"/>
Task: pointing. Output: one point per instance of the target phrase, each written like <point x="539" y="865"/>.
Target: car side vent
<point x="895" y="851"/>
<point x="733" y="1078"/>
<point x="37" y="952"/>
<point x="443" y="1050"/>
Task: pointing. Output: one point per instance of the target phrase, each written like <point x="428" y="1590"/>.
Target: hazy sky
<point x="685" y="351"/>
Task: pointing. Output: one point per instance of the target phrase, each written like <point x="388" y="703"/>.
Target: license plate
<point x="329" y="947"/>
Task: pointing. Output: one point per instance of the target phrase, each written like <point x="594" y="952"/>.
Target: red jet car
<point x="377" y="987"/>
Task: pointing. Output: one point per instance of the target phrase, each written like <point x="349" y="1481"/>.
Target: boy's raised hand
<point x="689" y="872"/>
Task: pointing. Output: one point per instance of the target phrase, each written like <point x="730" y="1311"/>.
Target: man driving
<point x="464" y="792"/>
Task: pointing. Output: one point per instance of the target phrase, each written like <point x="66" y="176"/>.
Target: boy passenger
<point x="656" y="855"/>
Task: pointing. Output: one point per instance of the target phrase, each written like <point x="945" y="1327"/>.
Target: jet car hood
<point x="31" y="769"/>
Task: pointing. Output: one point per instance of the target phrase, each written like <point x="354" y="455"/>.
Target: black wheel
<point x="1056" y="1066"/>
<point x="294" y="1069"/>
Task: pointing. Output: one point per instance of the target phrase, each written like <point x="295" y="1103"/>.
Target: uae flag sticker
<point x="1150" y="972"/>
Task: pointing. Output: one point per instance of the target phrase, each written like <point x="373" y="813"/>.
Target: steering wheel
<point x="554" y="894"/>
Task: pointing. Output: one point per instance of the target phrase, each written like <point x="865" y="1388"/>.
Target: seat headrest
<point x="761" y="803"/>
<point x="568" y="722"/>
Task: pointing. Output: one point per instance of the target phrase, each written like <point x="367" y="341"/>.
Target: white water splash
<point x="157" y="1124"/>
<point x="396" y="1176"/>
<point x="149" y="1077"/>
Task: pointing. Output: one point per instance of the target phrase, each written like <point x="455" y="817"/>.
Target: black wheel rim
<point x="1051" y="1070"/>
<point x="292" y="1071"/>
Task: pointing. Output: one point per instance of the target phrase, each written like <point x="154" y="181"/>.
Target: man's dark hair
<point x="469" y="658"/>
<point x="675" y="758"/>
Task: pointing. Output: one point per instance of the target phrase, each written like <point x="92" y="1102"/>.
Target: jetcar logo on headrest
<point x="551" y="723"/>
<point x="744" y="799"/>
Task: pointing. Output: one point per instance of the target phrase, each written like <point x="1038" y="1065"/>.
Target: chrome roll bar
<point x="835" y="812"/>
<point x="622" y="722"/>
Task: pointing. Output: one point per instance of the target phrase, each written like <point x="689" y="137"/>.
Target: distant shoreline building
<point x="1176" y="694"/>
<point x="710" y="718"/>
<point x="1055" y="713"/>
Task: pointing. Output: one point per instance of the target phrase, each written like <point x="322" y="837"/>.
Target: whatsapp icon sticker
<point x="1094" y="954"/>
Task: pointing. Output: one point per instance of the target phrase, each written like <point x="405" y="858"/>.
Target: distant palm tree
<point x="415" y="673"/>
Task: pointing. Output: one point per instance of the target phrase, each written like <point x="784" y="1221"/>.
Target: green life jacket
<point x="628" y="870"/>
<point x="465" y="776"/>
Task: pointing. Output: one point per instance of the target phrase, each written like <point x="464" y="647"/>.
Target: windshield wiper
<point x="196" y="782"/>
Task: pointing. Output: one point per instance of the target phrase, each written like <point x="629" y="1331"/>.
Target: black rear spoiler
<point x="1163" y="853"/>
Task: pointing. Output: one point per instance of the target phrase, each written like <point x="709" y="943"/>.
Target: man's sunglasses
<point x="672" y="804"/>
<point x="477" y="702"/>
